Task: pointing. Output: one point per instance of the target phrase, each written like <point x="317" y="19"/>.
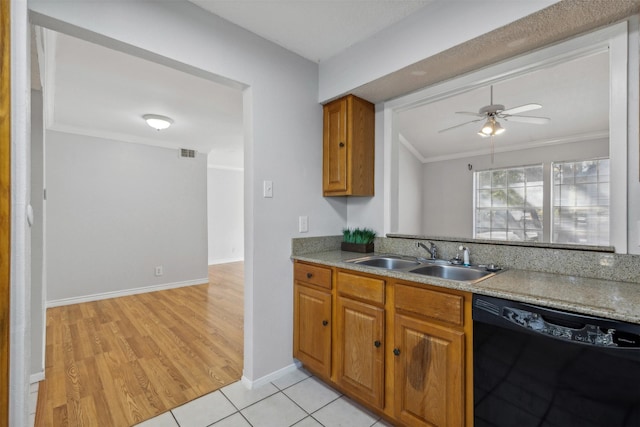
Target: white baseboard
<point x="224" y="260"/>
<point x="36" y="378"/>
<point x="125" y="292"/>
<point x="270" y="377"/>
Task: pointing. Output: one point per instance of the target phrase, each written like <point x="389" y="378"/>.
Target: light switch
<point x="267" y="189"/>
<point x="303" y="224"/>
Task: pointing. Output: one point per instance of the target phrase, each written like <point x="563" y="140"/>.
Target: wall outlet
<point x="159" y="270"/>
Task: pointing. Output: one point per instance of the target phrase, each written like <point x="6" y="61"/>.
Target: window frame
<point x="475" y="207"/>
<point x="553" y="206"/>
<point x="548" y="204"/>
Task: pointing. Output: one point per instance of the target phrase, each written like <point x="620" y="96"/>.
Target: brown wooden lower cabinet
<point x="312" y="319"/>
<point x="402" y="349"/>
<point x="360" y="334"/>
<point x="429" y="368"/>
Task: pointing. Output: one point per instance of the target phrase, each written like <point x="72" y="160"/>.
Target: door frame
<point x="5" y="206"/>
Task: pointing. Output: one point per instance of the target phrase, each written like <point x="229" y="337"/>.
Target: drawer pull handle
<point x="309" y="275"/>
<point x="325" y="322"/>
<point x="377" y="344"/>
<point x="396" y="351"/>
<point x="341" y="144"/>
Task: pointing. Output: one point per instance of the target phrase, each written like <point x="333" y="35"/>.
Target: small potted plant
<point x="358" y="240"/>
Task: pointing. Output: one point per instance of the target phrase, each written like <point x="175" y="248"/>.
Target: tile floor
<point x="297" y="399"/>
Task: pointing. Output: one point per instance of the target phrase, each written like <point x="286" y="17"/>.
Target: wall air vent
<point x="185" y="152"/>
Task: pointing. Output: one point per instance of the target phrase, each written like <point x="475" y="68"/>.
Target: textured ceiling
<point x="558" y="22"/>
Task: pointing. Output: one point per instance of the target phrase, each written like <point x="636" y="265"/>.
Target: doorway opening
<point x="128" y="215"/>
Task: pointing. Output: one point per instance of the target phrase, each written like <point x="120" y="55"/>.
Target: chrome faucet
<point x="432" y="249"/>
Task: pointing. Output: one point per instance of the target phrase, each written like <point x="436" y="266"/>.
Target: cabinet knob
<point x="341" y="144"/>
<point x="309" y="275"/>
<point x="396" y="351"/>
<point x="325" y="322"/>
<point x="377" y="343"/>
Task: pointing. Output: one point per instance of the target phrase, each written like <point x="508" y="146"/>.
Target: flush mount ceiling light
<point x="157" y="122"/>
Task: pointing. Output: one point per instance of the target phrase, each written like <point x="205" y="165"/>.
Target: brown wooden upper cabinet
<point x="348" y="147"/>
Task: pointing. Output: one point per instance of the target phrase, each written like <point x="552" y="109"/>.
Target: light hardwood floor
<point x="120" y="361"/>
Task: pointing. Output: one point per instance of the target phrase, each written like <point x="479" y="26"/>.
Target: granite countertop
<point x="595" y="297"/>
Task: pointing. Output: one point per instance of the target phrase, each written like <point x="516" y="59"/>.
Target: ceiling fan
<point x="492" y="112"/>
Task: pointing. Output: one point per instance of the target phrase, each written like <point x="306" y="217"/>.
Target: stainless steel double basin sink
<point x="440" y="269"/>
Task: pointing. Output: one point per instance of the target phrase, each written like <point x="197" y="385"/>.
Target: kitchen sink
<point x="389" y="262"/>
<point x="441" y="269"/>
<point x="453" y="272"/>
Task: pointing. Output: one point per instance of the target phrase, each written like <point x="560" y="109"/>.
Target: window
<point x="580" y="212"/>
<point x="509" y="204"/>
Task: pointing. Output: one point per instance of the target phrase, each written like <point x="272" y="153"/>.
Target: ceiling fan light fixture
<point x="158" y="122"/>
<point x="491" y="127"/>
<point x="487" y="128"/>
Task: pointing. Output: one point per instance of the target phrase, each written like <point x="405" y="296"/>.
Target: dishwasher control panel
<point x="556" y="324"/>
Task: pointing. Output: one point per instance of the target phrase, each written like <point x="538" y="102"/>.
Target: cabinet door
<point x="360" y="353"/>
<point x="312" y="328"/>
<point x="335" y="147"/>
<point x="429" y="373"/>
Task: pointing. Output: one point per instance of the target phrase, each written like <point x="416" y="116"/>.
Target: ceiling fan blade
<point x="469" y="113"/>
<point x="521" y="109"/>
<point x="461" y="124"/>
<point x="528" y="119"/>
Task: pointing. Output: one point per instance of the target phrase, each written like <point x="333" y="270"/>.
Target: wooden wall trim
<point x="5" y="207"/>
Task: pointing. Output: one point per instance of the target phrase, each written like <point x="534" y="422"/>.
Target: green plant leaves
<point x="358" y="235"/>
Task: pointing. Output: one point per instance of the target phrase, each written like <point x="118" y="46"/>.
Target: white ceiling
<point x="574" y="95"/>
<point x="97" y="91"/>
<point x="102" y="92"/>
<point x="314" y="29"/>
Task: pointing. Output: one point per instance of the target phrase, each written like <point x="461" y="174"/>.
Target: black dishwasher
<point x="534" y="366"/>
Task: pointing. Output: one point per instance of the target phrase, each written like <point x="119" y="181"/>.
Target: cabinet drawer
<point x="433" y="304"/>
<point x="312" y="274"/>
<point x="360" y="287"/>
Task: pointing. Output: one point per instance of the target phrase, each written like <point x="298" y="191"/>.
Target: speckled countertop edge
<point x="594" y="297"/>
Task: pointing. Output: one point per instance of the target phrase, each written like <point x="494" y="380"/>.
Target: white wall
<point x="38" y="318"/>
<point x="225" y="215"/>
<point x="283" y="140"/>
<point x="115" y="211"/>
<point x="448" y="185"/>
<point x="410" y="184"/>
<point x="431" y="30"/>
